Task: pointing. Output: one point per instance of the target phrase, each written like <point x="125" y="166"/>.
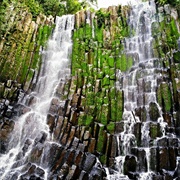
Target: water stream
<point x="139" y="86"/>
<point x="31" y="127"/>
<point x="32" y="143"/>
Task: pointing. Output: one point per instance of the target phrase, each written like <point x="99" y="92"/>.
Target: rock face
<point x="22" y="38"/>
<point x="92" y="137"/>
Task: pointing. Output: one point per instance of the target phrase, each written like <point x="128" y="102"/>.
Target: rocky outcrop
<point x="22" y="38"/>
<point x="85" y="125"/>
<point x="96" y="104"/>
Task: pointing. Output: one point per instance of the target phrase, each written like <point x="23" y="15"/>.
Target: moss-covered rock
<point x="165" y="97"/>
<point x="96" y="45"/>
<point x="153" y="111"/>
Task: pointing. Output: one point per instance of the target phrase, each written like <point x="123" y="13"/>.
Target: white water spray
<point x="32" y="125"/>
<point x="139" y="84"/>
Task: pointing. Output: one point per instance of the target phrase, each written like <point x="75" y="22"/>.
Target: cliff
<point x="22" y="39"/>
<point x="90" y="124"/>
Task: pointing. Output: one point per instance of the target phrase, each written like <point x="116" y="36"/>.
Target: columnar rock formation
<point x="85" y="118"/>
<point x="22" y="38"/>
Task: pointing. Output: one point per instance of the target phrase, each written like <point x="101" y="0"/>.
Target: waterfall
<point x="32" y="127"/>
<point x="139" y="87"/>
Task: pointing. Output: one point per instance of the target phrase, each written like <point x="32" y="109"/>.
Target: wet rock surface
<point x="85" y="120"/>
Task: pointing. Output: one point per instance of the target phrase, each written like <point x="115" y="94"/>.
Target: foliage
<point x="3" y="7"/>
<point x="174" y="3"/>
<point x="101" y="16"/>
<point x="55" y="7"/>
<point x="33" y="6"/>
<point x="60" y="7"/>
<point x="162" y="2"/>
<point x="48" y="7"/>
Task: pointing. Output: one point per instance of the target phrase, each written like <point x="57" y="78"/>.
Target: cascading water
<point x="31" y="127"/>
<point x="51" y="139"/>
<point x="139" y="86"/>
<point x="142" y="73"/>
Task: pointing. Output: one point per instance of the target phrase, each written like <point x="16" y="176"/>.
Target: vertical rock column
<point x="20" y="51"/>
<point x="97" y="58"/>
<point x="20" y="59"/>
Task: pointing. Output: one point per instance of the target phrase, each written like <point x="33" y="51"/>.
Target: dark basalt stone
<point x="137" y="132"/>
<point x="141" y="112"/>
<point x="130" y="164"/>
<point x="155" y="130"/>
<point x="27" y="143"/>
<point x="142" y="160"/>
<point x="162" y="142"/>
<point x="51" y="122"/>
<point x="63" y="172"/>
<point x="153" y="111"/>
<point x="71" y="152"/>
<point x="89" y="162"/>
<point x="53" y="156"/>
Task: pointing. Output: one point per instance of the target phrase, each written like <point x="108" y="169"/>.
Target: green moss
<point x="106" y="69"/>
<point x="106" y="100"/>
<point x="112" y="93"/>
<point x="100" y="75"/>
<point x="101" y="139"/>
<point x="159" y="96"/>
<point x="88" y="120"/>
<point x="112" y="74"/>
<point x="1" y="90"/>
<point x="81" y="119"/>
<point x="106" y="81"/>
<point x="166" y="35"/>
<point x="111" y="61"/>
<point x="176" y="57"/>
<point x="98" y="100"/>
<point x="101" y="17"/>
<point x="125" y="63"/>
<point x="88" y="31"/>
<point x="129" y="62"/>
<point x="97" y="57"/>
<point x="119" y="98"/>
<point x="103" y="159"/>
<point x="30" y="74"/>
<point x="75" y="53"/>
<point x="155" y="131"/>
<point x="99" y="34"/>
<point x="46" y="33"/>
<point x="81" y="33"/>
<point x="166" y="97"/>
<point x="104" y="114"/>
<point x="90" y="98"/>
<point x="111" y="127"/>
<point x="174" y="30"/>
<point x="113" y="110"/>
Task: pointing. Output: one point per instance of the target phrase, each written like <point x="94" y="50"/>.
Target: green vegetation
<point x="54" y="7"/>
<point x="22" y="40"/>
<point x="101" y="17"/>
<point x="173" y="3"/>
<point x="164" y="44"/>
<point x="47" y="7"/>
<point x="165" y="97"/>
<point x="97" y="54"/>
